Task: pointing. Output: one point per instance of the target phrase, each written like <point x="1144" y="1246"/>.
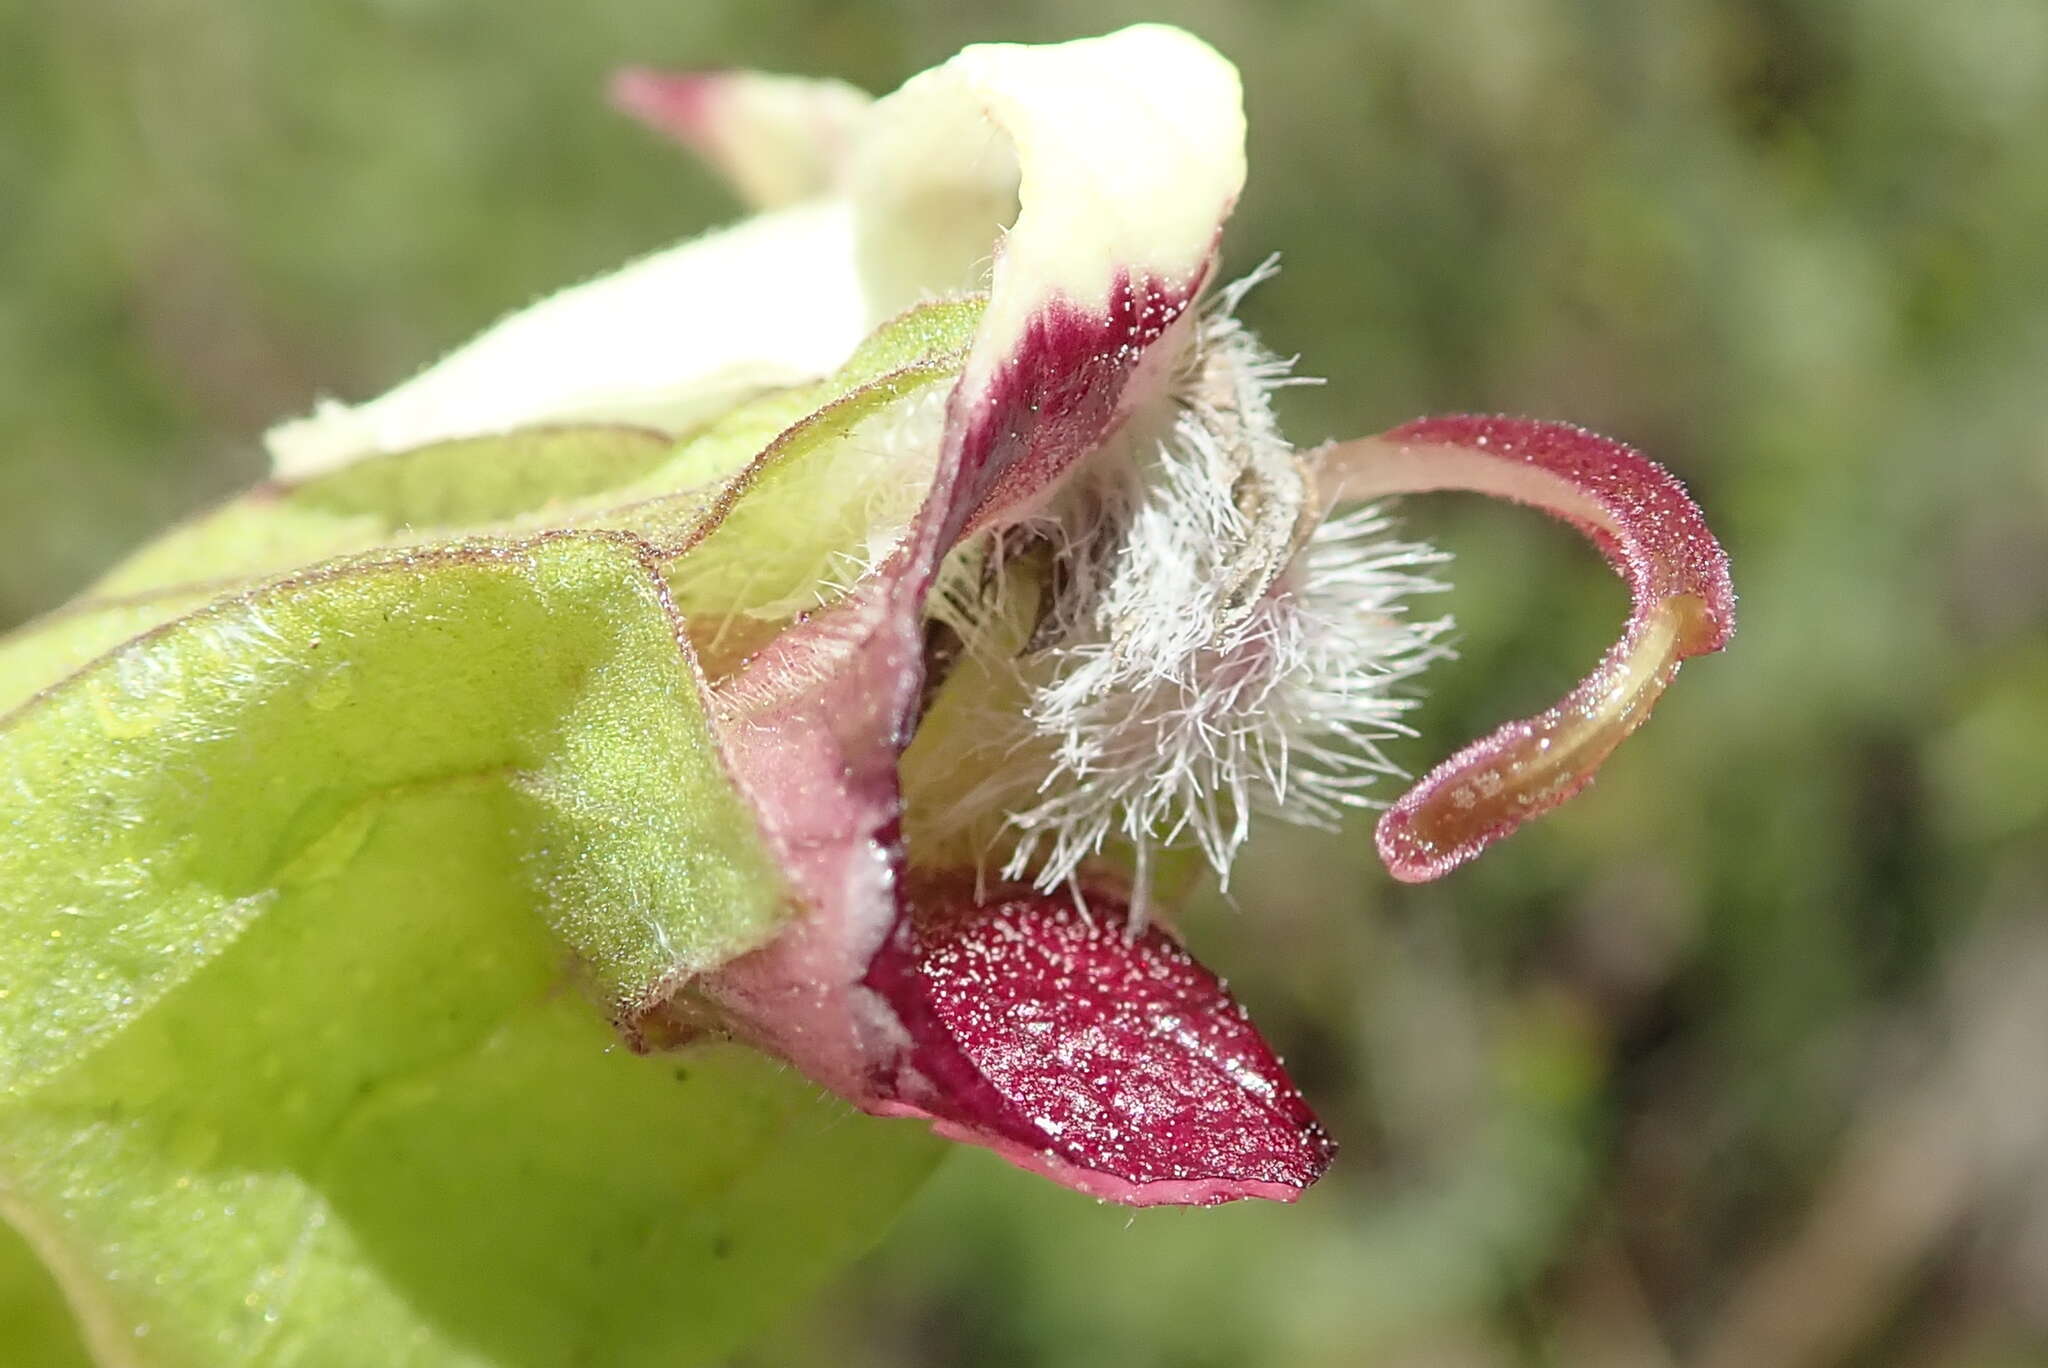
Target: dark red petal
<point x="1055" y="397"/>
<point x="1106" y="1058"/>
<point x="1682" y="604"/>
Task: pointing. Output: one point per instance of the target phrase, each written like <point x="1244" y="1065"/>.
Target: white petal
<point x="1125" y="153"/>
<point x="667" y="342"/>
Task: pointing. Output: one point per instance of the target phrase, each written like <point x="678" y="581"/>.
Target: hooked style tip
<point x="1682" y="604"/>
<point x="1528" y="767"/>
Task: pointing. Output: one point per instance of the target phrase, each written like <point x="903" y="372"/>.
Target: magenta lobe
<point x="1106" y="1057"/>
<point x="1055" y="396"/>
<point x="1682" y="604"/>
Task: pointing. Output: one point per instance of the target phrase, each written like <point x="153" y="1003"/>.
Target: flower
<point x="1031" y="589"/>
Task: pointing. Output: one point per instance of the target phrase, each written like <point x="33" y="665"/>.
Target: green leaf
<point x="517" y="482"/>
<point x="286" y="1035"/>
<point x="48" y="650"/>
<point x="336" y="834"/>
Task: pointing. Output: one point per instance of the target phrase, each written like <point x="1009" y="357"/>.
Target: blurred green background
<point x="1740" y="1062"/>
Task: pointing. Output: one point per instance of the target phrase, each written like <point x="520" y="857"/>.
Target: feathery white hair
<point x="1173" y="706"/>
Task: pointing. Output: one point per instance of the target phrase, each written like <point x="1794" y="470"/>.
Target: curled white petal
<point x="1107" y="158"/>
